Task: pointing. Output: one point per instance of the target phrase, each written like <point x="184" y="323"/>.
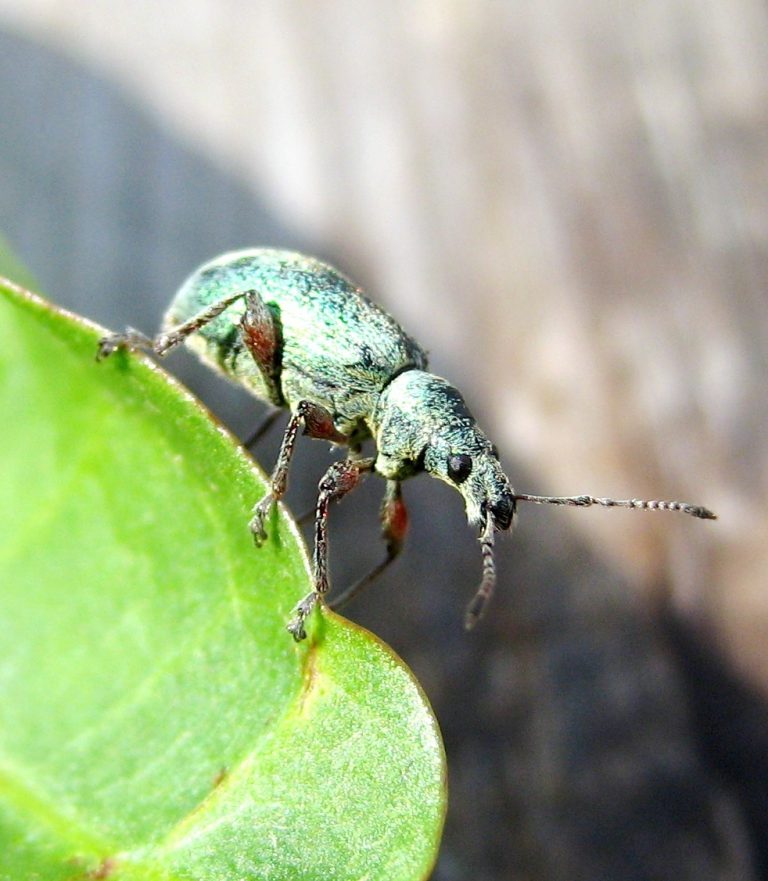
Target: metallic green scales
<point x="297" y="333"/>
<point x="338" y="349"/>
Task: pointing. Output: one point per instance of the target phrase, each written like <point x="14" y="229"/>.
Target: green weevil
<point x="300" y="335"/>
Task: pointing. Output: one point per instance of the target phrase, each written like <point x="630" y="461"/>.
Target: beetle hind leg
<point x="394" y="525"/>
<point x="262" y="335"/>
<point x="130" y="338"/>
<point x="169" y="339"/>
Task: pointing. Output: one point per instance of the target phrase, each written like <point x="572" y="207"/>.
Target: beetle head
<point x="466" y="460"/>
<point x="422" y="423"/>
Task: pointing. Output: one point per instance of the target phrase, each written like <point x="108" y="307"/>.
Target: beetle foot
<point x="129" y="339"/>
<point x="302" y="611"/>
<point x="260" y="514"/>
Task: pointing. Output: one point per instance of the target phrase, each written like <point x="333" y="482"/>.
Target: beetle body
<point x="337" y="348"/>
<point x="342" y="352"/>
<point x="299" y="334"/>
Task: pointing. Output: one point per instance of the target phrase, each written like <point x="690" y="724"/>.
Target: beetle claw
<point x="128" y="339"/>
<point x="260" y="514"/>
<point x="296" y="628"/>
<point x="302" y="611"/>
<point x="111" y="343"/>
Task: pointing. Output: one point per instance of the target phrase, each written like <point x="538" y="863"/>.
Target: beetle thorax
<point x="421" y="423"/>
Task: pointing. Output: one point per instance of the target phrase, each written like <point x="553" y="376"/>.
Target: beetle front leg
<point x="318" y="423"/>
<point x="339" y="479"/>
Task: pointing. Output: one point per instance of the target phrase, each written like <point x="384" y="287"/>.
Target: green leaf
<point x="156" y="719"/>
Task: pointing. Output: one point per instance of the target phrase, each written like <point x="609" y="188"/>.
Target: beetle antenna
<point x="479" y="601"/>
<point x="586" y="501"/>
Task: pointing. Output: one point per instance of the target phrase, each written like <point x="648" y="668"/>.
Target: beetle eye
<point x="459" y="467"/>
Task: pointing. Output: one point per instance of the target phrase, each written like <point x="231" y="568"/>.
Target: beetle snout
<point x="502" y="511"/>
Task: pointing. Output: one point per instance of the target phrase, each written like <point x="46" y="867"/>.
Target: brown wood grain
<point x="567" y="203"/>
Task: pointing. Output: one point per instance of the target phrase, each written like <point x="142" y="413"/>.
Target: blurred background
<point x="567" y="204"/>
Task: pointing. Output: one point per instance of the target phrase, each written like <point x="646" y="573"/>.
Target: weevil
<point x="301" y="336"/>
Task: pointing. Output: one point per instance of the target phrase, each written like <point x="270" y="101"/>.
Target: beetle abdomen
<point x="338" y="348"/>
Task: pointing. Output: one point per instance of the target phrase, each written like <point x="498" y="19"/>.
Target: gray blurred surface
<point x="579" y="739"/>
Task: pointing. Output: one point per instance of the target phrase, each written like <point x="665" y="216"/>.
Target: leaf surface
<point x="156" y="720"/>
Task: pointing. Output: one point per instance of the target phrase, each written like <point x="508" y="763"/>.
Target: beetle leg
<point x="163" y="342"/>
<point x="394" y="525"/>
<point x="339" y="479"/>
<point x="318" y="423"/>
<point x="262" y="335"/>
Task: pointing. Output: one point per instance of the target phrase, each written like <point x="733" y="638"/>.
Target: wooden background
<point x="568" y="205"/>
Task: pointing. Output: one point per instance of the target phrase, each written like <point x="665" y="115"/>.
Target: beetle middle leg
<point x="318" y="423"/>
<point x="339" y="479"/>
<point x="394" y="525"/>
